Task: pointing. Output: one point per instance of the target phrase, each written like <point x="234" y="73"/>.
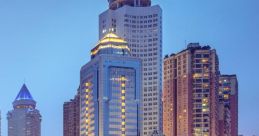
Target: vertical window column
<point x="123" y="106"/>
<point x="87" y="107"/>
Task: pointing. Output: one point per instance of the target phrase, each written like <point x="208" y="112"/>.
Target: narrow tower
<point x="228" y="105"/>
<point x="24" y="119"/>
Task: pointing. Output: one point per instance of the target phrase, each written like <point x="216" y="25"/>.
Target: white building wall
<point x="141" y="27"/>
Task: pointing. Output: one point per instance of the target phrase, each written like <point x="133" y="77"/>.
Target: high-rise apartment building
<point x="71" y="117"/>
<point x="24" y="119"/>
<point x="140" y="24"/>
<point x="111" y="91"/>
<point x="190" y="98"/>
<point x="228" y="105"/>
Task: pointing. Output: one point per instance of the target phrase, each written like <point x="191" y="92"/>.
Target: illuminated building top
<point x="111" y="44"/>
<point x="115" y="4"/>
<point x="24" y="99"/>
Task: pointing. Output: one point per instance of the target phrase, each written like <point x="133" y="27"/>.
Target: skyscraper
<point x="140" y="24"/>
<point x="228" y="99"/>
<point x="190" y="97"/>
<point x="24" y="119"/>
<point x="110" y="90"/>
<point x="71" y="117"/>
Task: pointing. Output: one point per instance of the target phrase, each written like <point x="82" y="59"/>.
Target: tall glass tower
<point x="24" y="119"/>
<point x="140" y="24"/>
<point x="110" y="91"/>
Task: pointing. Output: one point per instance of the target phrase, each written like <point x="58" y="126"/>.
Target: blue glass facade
<point x="111" y="93"/>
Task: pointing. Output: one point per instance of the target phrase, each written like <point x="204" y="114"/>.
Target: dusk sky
<point x="45" y="43"/>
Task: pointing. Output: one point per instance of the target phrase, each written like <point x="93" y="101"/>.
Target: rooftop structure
<point x="115" y="4"/>
<point x="24" y="99"/>
<point x="111" y="44"/>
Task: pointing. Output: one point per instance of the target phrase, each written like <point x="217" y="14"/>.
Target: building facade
<point x="71" y="117"/>
<point x="140" y="24"/>
<point x="0" y="124"/>
<point x="190" y="98"/>
<point x="24" y="119"/>
<point x="228" y="100"/>
<point x="169" y="97"/>
<point x="110" y="90"/>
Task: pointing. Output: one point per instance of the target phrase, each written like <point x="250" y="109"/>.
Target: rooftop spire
<point x="115" y="4"/>
<point x="24" y="94"/>
<point x="24" y="99"/>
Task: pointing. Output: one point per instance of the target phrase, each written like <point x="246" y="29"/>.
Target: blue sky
<point x="44" y="43"/>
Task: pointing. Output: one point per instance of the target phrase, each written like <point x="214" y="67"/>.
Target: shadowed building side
<point x="228" y="99"/>
<point x="71" y="117"/>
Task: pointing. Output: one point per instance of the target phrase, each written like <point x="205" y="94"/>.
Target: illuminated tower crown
<point x="24" y="99"/>
<point x="114" y="4"/>
<point x="111" y="44"/>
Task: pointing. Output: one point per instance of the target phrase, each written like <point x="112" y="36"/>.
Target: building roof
<point x="223" y="75"/>
<point x="111" y="44"/>
<point x="24" y="94"/>
<point x="190" y="47"/>
<point x="115" y="4"/>
<point x="111" y="37"/>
